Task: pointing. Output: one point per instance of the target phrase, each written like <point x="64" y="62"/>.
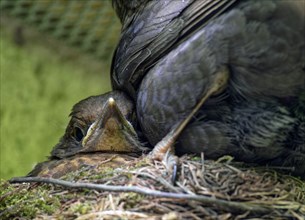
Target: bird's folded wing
<point x="154" y="33"/>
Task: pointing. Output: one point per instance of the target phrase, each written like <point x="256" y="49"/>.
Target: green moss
<point x="141" y="163"/>
<point x="81" y="208"/>
<point x="133" y="200"/>
<point x="196" y="158"/>
<point x="19" y="201"/>
<point x="102" y="175"/>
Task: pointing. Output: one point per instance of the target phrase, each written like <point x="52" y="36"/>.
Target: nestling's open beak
<point x="111" y="132"/>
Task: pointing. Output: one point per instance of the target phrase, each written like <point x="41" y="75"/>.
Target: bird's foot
<point x="164" y="151"/>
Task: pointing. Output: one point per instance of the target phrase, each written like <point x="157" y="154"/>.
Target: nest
<point x="206" y="189"/>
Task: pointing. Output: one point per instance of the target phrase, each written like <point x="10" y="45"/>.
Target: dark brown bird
<point x="219" y="77"/>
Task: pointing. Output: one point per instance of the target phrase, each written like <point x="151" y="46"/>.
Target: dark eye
<point x="78" y="134"/>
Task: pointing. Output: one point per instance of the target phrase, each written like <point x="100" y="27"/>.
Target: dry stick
<point x="234" y="207"/>
<point x="112" y="213"/>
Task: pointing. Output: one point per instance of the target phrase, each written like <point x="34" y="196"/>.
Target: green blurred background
<point x="52" y="55"/>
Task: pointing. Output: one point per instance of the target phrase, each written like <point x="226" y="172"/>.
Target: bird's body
<point x="234" y="68"/>
<point x="168" y="67"/>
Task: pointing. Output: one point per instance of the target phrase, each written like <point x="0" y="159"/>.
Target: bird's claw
<point x="171" y="161"/>
<point x="164" y="152"/>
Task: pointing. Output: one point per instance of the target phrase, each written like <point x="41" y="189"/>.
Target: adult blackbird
<point x="229" y="81"/>
<point x="219" y="77"/>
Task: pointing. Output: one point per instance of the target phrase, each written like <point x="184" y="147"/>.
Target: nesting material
<point x="233" y="191"/>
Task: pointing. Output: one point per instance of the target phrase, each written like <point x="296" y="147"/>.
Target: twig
<point x="108" y="160"/>
<point x="234" y="207"/>
<point x="113" y="213"/>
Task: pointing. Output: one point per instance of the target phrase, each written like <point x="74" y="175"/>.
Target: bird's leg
<point x="164" y="150"/>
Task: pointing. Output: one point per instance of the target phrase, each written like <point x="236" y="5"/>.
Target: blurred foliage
<point x="41" y="79"/>
<point x="90" y="25"/>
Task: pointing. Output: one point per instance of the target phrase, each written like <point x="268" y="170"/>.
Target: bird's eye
<point x="78" y="134"/>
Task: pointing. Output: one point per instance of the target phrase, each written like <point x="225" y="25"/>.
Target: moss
<point x="196" y="158"/>
<point x="284" y="194"/>
<point x="133" y="200"/>
<point x="105" y="172"/>
<point x="141" y="163"/>
<point x="19" y="201"/>
<point x="81" y="208"/>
